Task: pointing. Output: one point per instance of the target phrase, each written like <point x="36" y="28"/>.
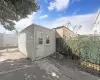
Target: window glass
<point x="40" y="40"/>
<point x="47" y="40"/>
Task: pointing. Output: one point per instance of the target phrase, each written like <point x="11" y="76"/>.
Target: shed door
<point x="40" y="45"/>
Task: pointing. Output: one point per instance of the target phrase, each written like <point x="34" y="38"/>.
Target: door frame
<point x="39" y="47"/>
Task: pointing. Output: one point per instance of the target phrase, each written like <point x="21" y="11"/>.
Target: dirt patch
<point x="12" y="59"/>
<point x="10" y="54"/>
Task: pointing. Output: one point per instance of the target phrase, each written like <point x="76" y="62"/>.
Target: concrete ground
<point x="14" y="66"/>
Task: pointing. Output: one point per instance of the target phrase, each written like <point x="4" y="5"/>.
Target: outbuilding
<point x="36" y="42"/>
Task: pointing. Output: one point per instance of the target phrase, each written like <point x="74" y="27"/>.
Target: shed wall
<point x="25" y="42"/>
<point x="48" y="49"/>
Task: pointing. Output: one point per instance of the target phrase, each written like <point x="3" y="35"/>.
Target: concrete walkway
<point x="45" y="70"/>
<point x="19" y="68"/>
<point x="27" y="73"/>
<point x="64" y="72"/>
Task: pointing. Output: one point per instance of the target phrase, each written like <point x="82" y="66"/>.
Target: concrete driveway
<point x="14" y="66"/>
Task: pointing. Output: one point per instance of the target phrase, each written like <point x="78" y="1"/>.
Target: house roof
<point x="58" y="27"/>
<point x="62" y="27"/>
<point x="98" y="13"/>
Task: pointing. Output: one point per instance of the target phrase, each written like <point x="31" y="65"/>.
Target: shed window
<point x="47" y="40"/>
<point x="40" y="40"/>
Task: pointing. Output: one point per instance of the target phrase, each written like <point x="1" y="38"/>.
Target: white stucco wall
<point x="10" y="40"/>
<point x="1" y="40"/>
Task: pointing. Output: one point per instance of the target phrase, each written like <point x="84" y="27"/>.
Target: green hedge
<point x="86" y="47"/>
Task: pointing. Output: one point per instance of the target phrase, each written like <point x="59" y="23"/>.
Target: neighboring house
<point x="8" y="40"/>
<point x="96" y="25"/>
<point x="36" y="42"/>
<point x="63" y="32"/>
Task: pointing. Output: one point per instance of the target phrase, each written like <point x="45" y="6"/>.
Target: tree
<point x="76" y="28"/>
<point x="68" y="24"/>
<point x="14" y="10"/>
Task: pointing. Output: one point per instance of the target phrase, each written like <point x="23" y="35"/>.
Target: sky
<point x="55" y="13"/>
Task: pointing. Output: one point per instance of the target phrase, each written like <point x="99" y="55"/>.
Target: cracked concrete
<point x="63" y="72"/>
<point x="14" y="66"/>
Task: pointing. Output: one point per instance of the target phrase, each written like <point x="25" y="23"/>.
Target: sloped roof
<point x="63" y="27"/>
<point x="32" y="25"/>
<point x="98" y="13"/>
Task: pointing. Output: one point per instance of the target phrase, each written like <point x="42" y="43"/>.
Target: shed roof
<point x="33" y="25"/>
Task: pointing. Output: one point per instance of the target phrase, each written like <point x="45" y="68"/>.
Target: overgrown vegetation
<point x="86" y="47"/>
<point x="84" y="50"/>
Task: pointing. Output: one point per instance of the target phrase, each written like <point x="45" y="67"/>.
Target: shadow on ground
<point x="10" y="64"/>
<point x="14" y="66"/>
<point x="72" y="64"/>
<point x="29" y="72"/>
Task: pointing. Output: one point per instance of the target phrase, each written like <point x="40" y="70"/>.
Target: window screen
<point x="47" y="40"/>
<point x="40" y="40"/>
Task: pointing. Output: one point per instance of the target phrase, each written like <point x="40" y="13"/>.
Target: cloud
<point x="44" y="16"/>
<point x="3" y="30"/>
<point x="58" y="5"/>
<point x="25" y="22"/>
<point x="85" y="20"/>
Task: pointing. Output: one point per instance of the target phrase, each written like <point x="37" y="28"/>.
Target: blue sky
<point x="81" y="6"/>
<point x="55" y="13"/>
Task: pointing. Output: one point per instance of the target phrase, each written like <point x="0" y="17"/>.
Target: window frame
<point x="47" y="38"/>
<point x="39" y="41"/>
